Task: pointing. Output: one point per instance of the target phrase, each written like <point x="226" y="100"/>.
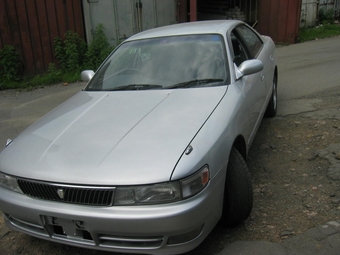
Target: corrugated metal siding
<point x="330" y="5"/>
<point x="309" y="13"/>
<point x="123" y="18"/>
<point x="280" y="19"/>
<point x="337" y="8"/>
<point x="31" y="26"/>
<point x="245" y="10"/>
<point x="182" y="11"/>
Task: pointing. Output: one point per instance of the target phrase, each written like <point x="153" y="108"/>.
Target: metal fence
<point x="123" y="18"/>
<point x="280" y="19"/>
<point x="31" y="26"/>
<point x="310" y="11"/>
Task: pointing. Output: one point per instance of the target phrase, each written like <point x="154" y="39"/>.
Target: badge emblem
<point x="9" y="141"/>
<point x="60" y="193"/>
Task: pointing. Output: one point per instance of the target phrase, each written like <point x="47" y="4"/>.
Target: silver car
<point x="150" y="156"/>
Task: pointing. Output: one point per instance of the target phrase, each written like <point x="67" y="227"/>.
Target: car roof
<point x="197" y="27"/>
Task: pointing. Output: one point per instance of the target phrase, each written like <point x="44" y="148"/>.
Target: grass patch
<point x="53" y="76"/>
<point x="319" y="32"/>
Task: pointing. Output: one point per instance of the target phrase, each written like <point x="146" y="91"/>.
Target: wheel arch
<point x="240" y="145"/>
<point x="276" y="72"/>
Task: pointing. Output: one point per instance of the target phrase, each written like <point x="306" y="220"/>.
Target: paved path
<point x="308" y="67"/>
<point x="19" y="109"/>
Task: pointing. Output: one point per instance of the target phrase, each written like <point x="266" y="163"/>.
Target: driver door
<point x="252" y="86"/>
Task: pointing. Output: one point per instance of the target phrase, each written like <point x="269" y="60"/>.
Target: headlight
<point x="148" y="194"/>
<point x="9" y="182"/>
<point x="163" y="192"/>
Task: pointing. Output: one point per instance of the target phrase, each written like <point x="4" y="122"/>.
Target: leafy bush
<point x="10" y="64"/>
<point x="70" y="52"/>
<point x="74" y="55"/>
<point x="326" y="16"/>
<point x="98" y="50"/>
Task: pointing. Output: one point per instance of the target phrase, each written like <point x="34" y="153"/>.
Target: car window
<point x="164" y="63"/>
<point x="240" y="53"/>
<point x="254" y="43"/>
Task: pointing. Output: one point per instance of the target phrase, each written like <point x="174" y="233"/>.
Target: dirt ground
<point x="295" y="168"/>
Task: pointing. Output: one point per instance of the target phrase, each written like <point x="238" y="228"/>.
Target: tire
<point x="238" y="191"/>
<point x="272" y="105"/>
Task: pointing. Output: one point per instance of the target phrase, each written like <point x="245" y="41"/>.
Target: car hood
<point x="111" y="138"/>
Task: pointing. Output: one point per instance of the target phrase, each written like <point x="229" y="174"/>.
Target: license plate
<point x="67" y="228"/>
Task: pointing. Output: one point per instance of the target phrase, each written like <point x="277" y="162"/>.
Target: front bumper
<point x="154" y="229"/>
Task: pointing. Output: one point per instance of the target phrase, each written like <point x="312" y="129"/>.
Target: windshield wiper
<point x="137" y="87"/>
<point x="187" y="84"/>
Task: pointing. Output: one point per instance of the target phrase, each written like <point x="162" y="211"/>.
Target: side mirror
<point x="248" y="67"/>
<point x="86" y="75"/>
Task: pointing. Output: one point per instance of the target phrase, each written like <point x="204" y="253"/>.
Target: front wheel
<point x="272" y="105"/>
<point x="238" y="191"/>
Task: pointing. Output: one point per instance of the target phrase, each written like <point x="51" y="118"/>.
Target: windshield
<point x="164" y="63"/>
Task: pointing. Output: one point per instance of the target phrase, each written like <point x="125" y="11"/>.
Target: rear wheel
<point x="238" y="192"/>
<point x="272" y="105"/>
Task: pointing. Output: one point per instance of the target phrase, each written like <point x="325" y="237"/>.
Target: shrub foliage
<point x="10" y="63"/>
<point x="72" y="54"/>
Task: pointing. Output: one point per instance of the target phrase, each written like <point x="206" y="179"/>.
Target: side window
<point x="240" y="53"/>
<point x="253" y="42"/>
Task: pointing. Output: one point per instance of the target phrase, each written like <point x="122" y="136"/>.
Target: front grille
<point x="94" y="196"/>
